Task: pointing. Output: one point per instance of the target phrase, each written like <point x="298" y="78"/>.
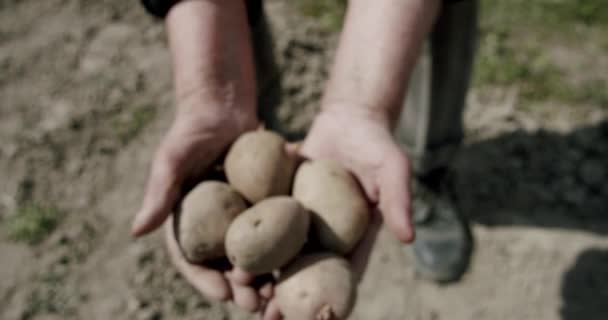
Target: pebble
<point x="134" y="304"/>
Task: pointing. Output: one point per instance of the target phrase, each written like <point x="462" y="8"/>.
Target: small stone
<point x="57" y="115"/>
<point x="134" y="304"/>
<point x="9" y="150"/>
<point x="8" y="205"/>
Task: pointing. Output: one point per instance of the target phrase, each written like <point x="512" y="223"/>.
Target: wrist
<point x="194" y="96"/>
<point x="217" y="113"/>
<point x="212" y="62"/>
<point x="357" y="112"/>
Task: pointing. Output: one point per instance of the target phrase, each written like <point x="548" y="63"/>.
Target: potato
<point x="203" y="219"/>
<point x="268" y="235"/>
<point x="340" y="210"/>
<point x="316" y="287"/>
<point x="258" y="167"/>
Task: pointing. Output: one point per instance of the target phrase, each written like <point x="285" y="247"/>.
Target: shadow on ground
<point x="547" y="180"/>
<point x="541" y="179"/>
<point x="585" y="287"/>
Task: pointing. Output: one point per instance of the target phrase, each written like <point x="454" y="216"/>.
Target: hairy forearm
<point x="211" y="54"/>
<point x="378" y="49"/>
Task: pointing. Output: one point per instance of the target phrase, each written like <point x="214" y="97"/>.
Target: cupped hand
<point x="194" y="142"/>
<point x="363" y="143"/>
<point x="234" y="284"/>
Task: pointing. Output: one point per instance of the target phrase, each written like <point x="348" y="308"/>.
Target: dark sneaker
<point x="443" y="244"/>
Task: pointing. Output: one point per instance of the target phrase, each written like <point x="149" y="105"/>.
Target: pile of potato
<point x="262" y="218"/>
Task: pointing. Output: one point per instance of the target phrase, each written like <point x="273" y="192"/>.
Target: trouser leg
<point x="430" y="126"/>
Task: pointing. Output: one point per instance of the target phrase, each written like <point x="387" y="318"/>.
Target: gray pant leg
<point x="430" y="126"/>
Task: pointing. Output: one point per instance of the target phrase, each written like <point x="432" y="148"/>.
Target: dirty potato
<point x="340" y="210"/>
<point x="316" y="287"/>
<point x="258" y="166"/>
<point x="203" y="219"/>
<point x="268" y="235"/>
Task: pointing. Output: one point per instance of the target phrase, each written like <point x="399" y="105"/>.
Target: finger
<point x="266" y="291"/>
<point x="241" y="276"/>
<point x="293" y="150"/>
<point x="244" y="296"/>
<point x="360" y="256"/>
<point x="272" y="311"/>
<point x="207" y="281"/>
<point x="162" y="192"/>
<point x="395" y="203"/>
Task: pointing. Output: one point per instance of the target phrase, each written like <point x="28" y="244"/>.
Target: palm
<point x="366" y="148"/>
<point x="192" y="145"/>
<point x="188" y="150"/>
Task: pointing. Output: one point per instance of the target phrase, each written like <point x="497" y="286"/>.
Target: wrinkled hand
<point x="193" y="143"/>
<point x="364" y="144"/>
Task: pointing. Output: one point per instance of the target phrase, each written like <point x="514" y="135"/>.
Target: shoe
<point x="443" y="245"/>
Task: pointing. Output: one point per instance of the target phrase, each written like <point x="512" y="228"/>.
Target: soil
<point x="85" y="96"/>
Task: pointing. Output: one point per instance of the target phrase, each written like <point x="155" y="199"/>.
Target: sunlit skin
<point x="215" y="95"/>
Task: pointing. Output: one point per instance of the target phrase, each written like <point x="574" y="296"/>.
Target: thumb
<point x="162" y="192"/>
<point x="395" y="201"/>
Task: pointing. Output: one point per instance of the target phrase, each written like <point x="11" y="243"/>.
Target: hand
<point x="193" y="143"/>
<point x="214" y="83"/>
<point x="213" y="283"/>
<point x="196" y="139"/>
<point x="363" y="143"/>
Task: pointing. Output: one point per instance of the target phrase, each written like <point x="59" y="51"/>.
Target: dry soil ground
<point x="85" y="95"/>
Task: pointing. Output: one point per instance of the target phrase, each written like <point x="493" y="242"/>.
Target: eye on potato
<point x="268" y="235"/>
<point x="340" y="212"/>
<point x="258" y="167"/>
<point x="203" y="219"/>
<point x="316" y="287"/>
